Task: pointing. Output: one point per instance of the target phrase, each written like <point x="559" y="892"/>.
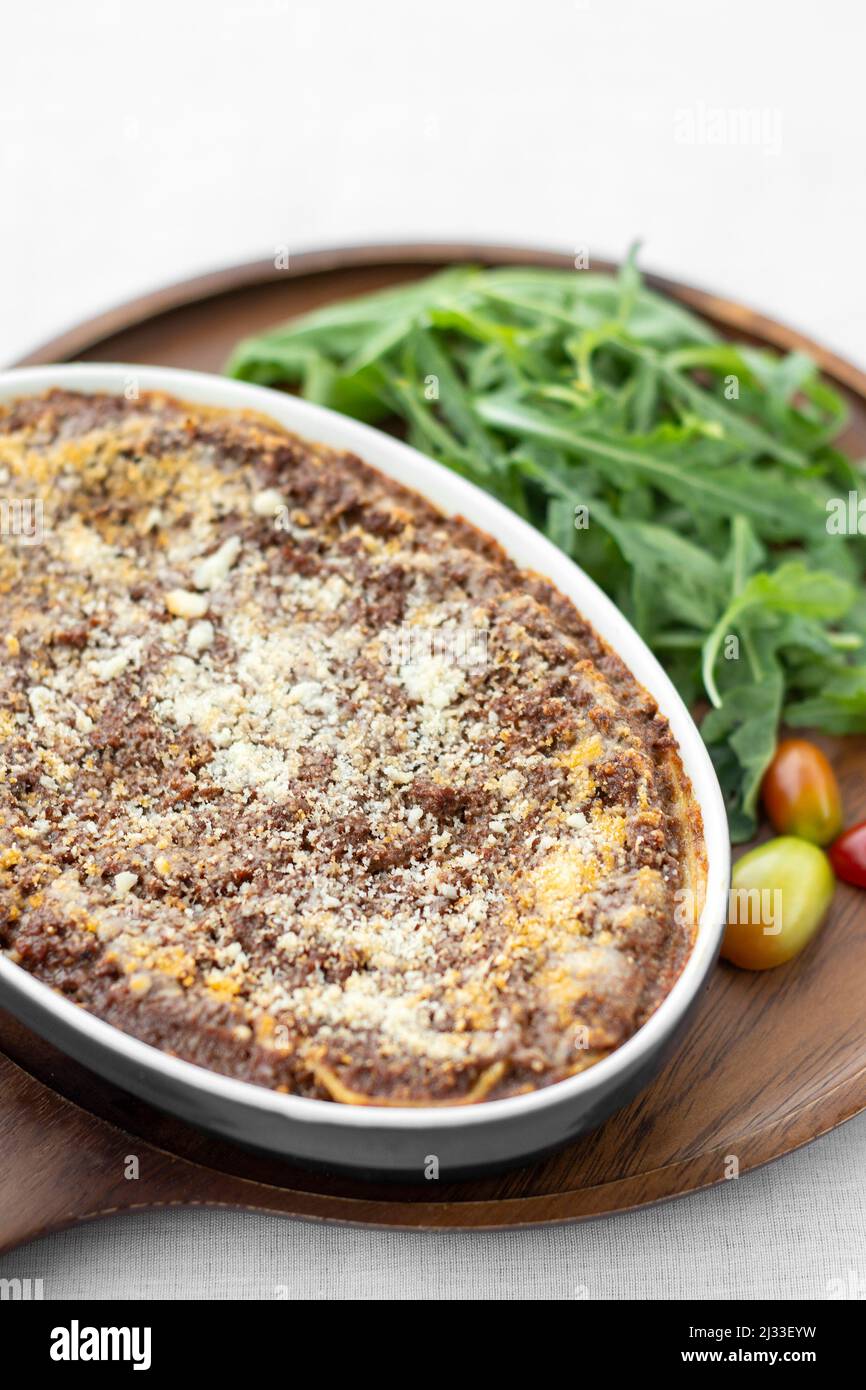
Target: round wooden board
<point x="770" y="1062"/>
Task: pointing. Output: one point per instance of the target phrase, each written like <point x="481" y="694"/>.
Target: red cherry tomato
<point x="801" y="794"/>
<point x="848" y="855"/>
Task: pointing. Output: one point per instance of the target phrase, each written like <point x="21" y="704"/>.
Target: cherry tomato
<point x="780" y="895"/>
<point x="848" y="855"/>
<point x="801" y="794"/>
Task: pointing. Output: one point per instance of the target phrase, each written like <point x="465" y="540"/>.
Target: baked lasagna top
<point x="308" y="784"/>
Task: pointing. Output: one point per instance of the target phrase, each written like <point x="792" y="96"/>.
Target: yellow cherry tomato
<point x="800" y="793"/>
<point x="780" y="895"/>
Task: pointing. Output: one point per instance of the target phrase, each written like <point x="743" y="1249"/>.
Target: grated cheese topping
<point x="388" y="824"/>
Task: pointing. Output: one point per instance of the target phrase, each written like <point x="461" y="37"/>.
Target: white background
<point x="140" y="145"/>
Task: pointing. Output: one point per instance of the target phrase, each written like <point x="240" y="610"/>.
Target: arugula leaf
<point x="686" y="581"/>
<point x="741" y="737"/>
<point x="778" y="509"/>
<point x="839" y="708"/>
<point x="793" y="589"/>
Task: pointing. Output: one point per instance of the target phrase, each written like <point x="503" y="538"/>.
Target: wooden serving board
<point x="770" y="1062"/>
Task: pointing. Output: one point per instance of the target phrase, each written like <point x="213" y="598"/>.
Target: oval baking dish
<point x="378" y="1138"/>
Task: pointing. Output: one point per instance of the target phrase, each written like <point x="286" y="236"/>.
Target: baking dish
<point x="376" y="1139"/>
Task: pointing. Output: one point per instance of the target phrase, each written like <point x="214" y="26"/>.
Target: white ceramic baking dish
<point x="386" y="1140"/>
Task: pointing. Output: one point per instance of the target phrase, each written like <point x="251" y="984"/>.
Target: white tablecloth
<point x="140" y="147"/>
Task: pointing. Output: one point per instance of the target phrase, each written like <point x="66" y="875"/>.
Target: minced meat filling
<point x="304" y="782"/>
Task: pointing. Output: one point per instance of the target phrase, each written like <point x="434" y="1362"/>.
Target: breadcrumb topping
<point x="263" y="805"/>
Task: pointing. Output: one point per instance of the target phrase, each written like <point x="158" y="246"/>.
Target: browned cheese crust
<point x="310" y="785"/>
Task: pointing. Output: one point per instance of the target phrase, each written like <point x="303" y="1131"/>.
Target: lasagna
<point x="306" y="783"/>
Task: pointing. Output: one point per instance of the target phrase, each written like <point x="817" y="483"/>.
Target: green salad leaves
<point x="694" y="479"/>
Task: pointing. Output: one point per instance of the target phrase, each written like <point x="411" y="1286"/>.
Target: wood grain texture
<point x="770" y="1062"/>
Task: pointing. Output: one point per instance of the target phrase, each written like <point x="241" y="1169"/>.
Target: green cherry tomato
<point x="780" y="895"/>
<point x="800" y="793"/>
